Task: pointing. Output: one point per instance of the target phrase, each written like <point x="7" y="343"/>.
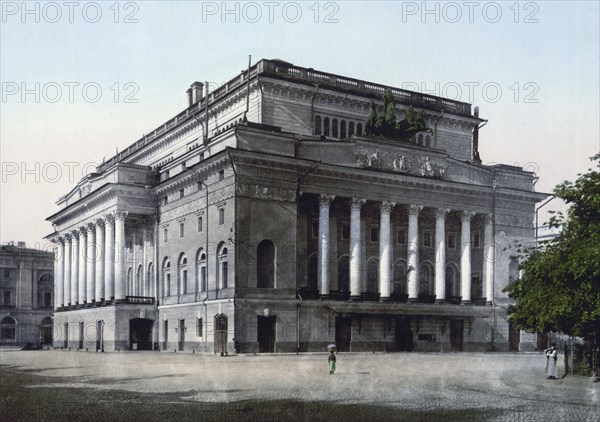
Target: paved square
<point x="131" y="386"/>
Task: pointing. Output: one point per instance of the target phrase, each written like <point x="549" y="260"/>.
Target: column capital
<point x="326" y="199"/>
<point x="356" y="203"/>
<point x="414" y="210"/>
<point x="82" y="229"/>
<point x="466" y="216"/>
<point x="99" y="222"/>
<point x="386" y="206"/>
<point x="441" y="212"/>
<point x="75" y="234"/>
<point x="120" y="215"/>
<point x="90" y="227"/>
<point x="488" y="218"/>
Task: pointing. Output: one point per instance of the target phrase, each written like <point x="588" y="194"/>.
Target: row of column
<point x="90" y="264"/>
<point x="386" y="253"/>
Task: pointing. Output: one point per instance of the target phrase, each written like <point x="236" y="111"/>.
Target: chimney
<point x="196" y="92"/>
<point x="189" y="97"/>
<point x="21" y="245"/>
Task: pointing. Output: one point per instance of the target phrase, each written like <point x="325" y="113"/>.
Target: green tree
<point x="560" y="287"/>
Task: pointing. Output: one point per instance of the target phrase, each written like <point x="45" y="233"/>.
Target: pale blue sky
<point x="554" y="61"/>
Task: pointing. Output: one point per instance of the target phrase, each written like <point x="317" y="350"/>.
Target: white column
<point x="109" y="258"/>
<point x="59" y="262"/>
<point x="413" y="252"/>
<point x="355" y="237"/>
<point x="142" y="287"/>
<point x="67" y="271"/>
<point x="385" y="250"/>
<point x="465" y="256"/>
<point x="91" y="263"/>
<point x="74" y="268"/>
<point x="490" y="249"/>
<point x="440" y="254"/>
<point x="120" y="267"/>
<point x="99" y="276"/>
<point x="323" y="251"/>
<point x="82" y="265"/>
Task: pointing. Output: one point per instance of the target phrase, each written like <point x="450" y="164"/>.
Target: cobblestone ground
<point x="130" y="386"/>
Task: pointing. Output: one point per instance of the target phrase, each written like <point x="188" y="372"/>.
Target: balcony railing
<point x="140" y="300"/>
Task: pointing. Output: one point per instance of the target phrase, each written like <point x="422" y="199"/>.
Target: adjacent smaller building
<point x="26" y="296"/>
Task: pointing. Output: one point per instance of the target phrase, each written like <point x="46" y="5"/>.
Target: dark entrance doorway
<point x="140" y="334"/>
<point x="221" y="334"/>
<point x="81" y="333"/>
<point x="404" y="335"/>
<point x="46" y="331"/>
<point x="456" y="335"/>
<point x="99" y="336"/>
<point x="266" y="334"/>
<point x="514" y="337"/>
<point x="343" y="333"/>
<point x="181" y="335"/>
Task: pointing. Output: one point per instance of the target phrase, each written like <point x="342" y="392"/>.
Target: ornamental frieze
<point x="221" y="195"/>
<point x="414" y="165"/>
<point x="182" y="210"/>
<point x="514" y="221"/>
<point x="270" y="193"/>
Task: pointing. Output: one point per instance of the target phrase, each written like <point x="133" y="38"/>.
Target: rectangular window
<point x="199" y="327"/>
<point x="7" y="297"/>
<point x="47" y="299"/>
<point x="401" y="237"/>
<point x="476" y="240"/>
<point x="314" y="229"/>
<point x="181" y="193"/>
<point x="168" y="285"/>
<point x="427" y="239"/>
<point x="451" y="241"/>
<point x="201" y="156"/>
<point x="181" y="229"/>
<point x="199" y="224"/>
<point x="345" y="231"/>
<point x="184" y="281"/>
<point x="224" y="273"/>
<point x="199" y="186"/>
<point x="165" y="200"/>
<point x="203" y="278"/>
<point x="374" y="234"/>
<point x="165" y="235"/>
<point x="7" y="273"/>
<point x="221" y="174"/>
<point x="221" y="216"/>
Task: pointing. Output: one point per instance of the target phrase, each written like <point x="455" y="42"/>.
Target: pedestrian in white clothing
<point x="551" y="362"/>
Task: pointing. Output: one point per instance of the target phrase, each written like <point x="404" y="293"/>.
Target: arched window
<point x="148" y="289"/>
<point x="326" y="126"/>
<point x="8" y="329"/>
<point x="312" y="272"/>
<point x="452" y="287"/>
<point x="420" y="139"/>
<point x="359" y="129"/>
<point x="182" y="274"/>
<point x="139" y="285"/>
<point x="130" y="281"/>
<point x="344" y="274"/>
<point x="201" y="270"/>
<point x="343" y="129"/>
<point x="400" y="286"/>
<point x="265" y="265"/>
<point x="428" y="141"/>
<point x="317" y="130"/>
<point x="166" y="277"/>
<point x="334" y="128"/>
<point x="222" y="266"/>
<point x="350" y="129"/>
<point x="426" y="283"/>
<point x="373" y="275"/>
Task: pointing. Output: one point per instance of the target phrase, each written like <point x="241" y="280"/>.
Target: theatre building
<point x="27" y="295"/>
<point x="268" y="216"/>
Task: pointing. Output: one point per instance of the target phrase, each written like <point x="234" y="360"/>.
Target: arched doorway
<point x="46" y="335"/>
<point x="140" y="334"/>
<point x="8" y="330"/>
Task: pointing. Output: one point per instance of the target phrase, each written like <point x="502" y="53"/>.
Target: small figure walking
<point x="551" y="362"/>
<point x="331" y="362"/>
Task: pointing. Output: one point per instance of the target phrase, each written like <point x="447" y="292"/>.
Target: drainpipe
<point x="235" y="231"/>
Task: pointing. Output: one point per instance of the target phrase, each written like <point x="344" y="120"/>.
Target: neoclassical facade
<point x="263" y="218"/>
<point x="27" y="296"/>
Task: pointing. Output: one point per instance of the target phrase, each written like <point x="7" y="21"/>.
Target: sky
<point x="83" y="79"/>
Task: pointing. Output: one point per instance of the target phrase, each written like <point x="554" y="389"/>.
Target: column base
<point x="440" y="301"/>
<point x="115" y="301"/>
<point x="355" y="298"/>
<point x="465" y="302"/>
<point x="413" y="299"/>
<point x="488" y="303"/>
<point x="385" y="299"/>
<point x="324" y="297"/>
